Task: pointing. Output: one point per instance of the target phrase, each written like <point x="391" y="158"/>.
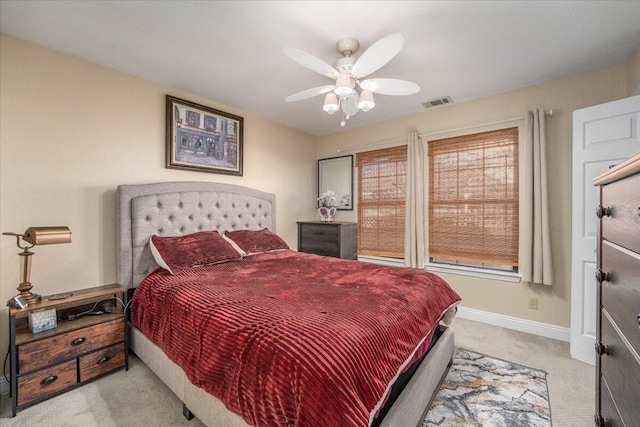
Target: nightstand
<point x="336" y="239"/>
<point x="51" y="362"/>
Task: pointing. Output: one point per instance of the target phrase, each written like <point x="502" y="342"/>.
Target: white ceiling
<point x="232" y="51"/>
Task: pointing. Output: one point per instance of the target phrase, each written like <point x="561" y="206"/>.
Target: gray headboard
<point x="179" y="208"/>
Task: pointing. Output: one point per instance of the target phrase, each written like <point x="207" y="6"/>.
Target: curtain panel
<point x="414" y="230"/>
<point x="535" y="249"/>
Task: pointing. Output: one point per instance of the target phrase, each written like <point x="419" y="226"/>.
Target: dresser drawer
<point x="36" y="354"/>
<point x="319" y="232"/>
<point x="608" y="409"/>
<point x="621" y="368"/>
<point x="47" y="381"/>
<point x="621" y="295"/>
<point x="101" y="361"/>
<point x="623" y="225"/>
<point x="320" y="239"/>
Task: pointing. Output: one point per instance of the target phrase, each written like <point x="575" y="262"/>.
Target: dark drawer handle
<point x="600" y="421"/>
<point x="602" y="349"/>
<point x="48" y="380"/>
<point x="603" y="276"/>
<point x="78" y="341"/>
<point x="103" y="359"/>
<point x="602" y="211"/>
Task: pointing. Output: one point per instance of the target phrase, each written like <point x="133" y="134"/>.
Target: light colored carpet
<point x="138" y="397"/>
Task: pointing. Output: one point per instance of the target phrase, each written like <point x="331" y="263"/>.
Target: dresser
<point x="618" y="303"/>
<point x="336" y="239"/>
<point x="89" y="341"/>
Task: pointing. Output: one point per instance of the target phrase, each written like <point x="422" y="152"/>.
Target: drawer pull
<point x="600" y="421"/>
<point x="78" y="341"/>
<point x="603" y="276"/>
<point x="602" y="349"/>
<point x="48" y="380"/>
<point x="602" y="211"/>
<point x="102" y="360"/>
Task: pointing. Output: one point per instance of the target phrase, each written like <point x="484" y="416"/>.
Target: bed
<point x="184" y="208"/>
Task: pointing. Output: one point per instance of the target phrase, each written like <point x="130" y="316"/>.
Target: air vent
<point x="438" y="102"/>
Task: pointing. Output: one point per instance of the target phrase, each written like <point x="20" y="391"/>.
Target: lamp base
<point x="23" y="299"/>
<point x="31" y="298"/>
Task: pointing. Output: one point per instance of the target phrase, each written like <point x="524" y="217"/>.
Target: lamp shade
<point x="47" y="235"/>
<point x="366" y="102"/>
<point x="343" y="85"/>
<point x="331" y="103"/>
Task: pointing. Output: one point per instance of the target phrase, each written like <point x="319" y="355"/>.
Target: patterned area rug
<point x="480" y="390"/>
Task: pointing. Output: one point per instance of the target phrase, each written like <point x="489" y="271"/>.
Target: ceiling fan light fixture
<point x="343" y="85"/>
<point x="331" y="103"/>
<point x="366" y="102"/>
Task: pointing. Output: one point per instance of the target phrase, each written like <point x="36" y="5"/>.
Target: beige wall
<point x="71" y="131"/>
<point x="563" y="96"/>
<point x="633" y="73"/>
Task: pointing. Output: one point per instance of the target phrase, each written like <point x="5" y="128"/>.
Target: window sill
<point x="449" y="269"/>
<point x="474" y="272"/>
<point x="395" y="262"/>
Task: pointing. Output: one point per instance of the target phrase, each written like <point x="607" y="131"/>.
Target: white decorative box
<point x="42" y="320"/>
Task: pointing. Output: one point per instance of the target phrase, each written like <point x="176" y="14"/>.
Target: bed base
<point x="408" y="409"/>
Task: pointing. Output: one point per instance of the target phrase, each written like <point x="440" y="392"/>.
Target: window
<point x="473" y="200"/>
<point x="381" y="201"/>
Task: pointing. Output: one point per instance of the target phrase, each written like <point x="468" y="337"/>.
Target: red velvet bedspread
<point x="292" y="339"/>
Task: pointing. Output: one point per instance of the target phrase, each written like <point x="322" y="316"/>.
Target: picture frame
<point x="203" y="139"/>
<point x="336" y="174"/>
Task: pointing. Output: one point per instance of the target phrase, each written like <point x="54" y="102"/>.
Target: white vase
<point x="326" y="214"/>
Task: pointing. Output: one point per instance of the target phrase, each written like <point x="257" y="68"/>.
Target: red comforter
<point x="292" y="339"/>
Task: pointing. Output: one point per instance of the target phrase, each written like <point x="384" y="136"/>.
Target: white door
<point x="603" y="136"/>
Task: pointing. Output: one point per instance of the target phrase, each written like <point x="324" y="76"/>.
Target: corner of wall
<point x="633" y="73"/>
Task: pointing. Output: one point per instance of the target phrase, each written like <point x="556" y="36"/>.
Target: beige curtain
<point x="414" y="230"/>
<point x="535" y="248"/>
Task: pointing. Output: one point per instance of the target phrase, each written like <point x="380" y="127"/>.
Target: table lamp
<point x="35" y="236"/>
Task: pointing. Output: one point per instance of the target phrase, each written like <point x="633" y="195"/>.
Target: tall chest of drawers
<point x="618" y="305"/>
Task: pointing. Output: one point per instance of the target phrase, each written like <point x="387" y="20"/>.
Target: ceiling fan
<point x="349" y="73"/>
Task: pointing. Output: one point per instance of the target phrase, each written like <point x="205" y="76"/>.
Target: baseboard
<point x="4" y="386"/>
<point x="516" y="323"/>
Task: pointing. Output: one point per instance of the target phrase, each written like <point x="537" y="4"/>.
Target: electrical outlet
<point x="533" y="303"/>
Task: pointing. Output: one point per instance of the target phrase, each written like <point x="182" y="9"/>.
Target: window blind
<point x="382" y="177"/>
<point x="473" y="198"/>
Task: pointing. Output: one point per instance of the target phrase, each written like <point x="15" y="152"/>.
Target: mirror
<point x="336" y="174"/>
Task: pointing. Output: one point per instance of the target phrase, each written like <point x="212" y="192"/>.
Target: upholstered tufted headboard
<point x="178" y="208"/>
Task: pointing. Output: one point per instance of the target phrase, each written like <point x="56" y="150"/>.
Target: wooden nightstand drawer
<point x="46" y="381"/>
<point x="623" y="225"/>
<point x="102" y="361"/>
<point x="36" y="354"/>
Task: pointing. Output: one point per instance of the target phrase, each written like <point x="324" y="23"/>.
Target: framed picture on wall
<point x="203" y="139"/>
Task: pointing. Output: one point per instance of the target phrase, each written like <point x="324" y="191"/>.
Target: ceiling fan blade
<point x="377" y="55"/>
<point x="311" y="62"/>
<point x="309" y="93"/>
<point x="390" y="86"/>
